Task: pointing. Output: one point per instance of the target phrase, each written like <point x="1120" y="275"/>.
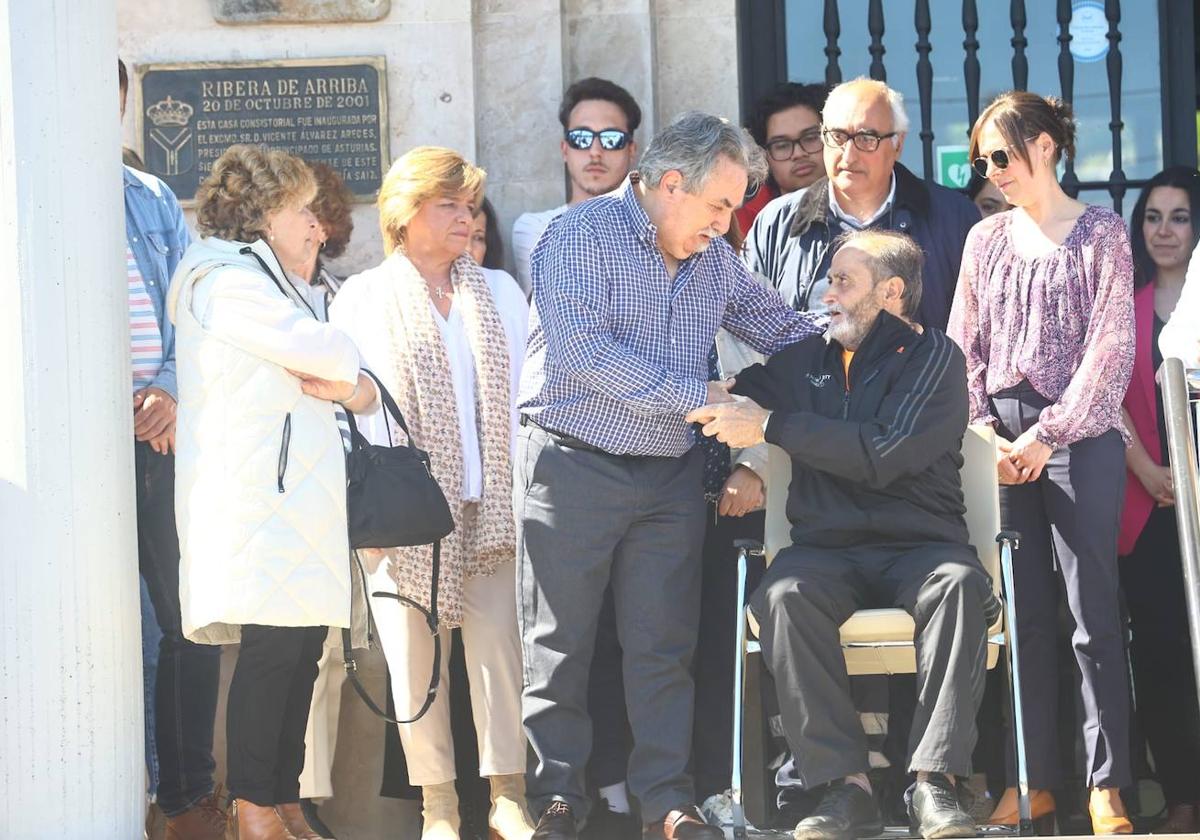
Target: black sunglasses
<point x="611" y="139"/>
<point x="999" y="159"/>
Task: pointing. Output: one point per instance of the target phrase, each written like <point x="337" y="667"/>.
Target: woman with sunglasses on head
<point x="1164" y="233"/>
<point x="1044" y="313"/>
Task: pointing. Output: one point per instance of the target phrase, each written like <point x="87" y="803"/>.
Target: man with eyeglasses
<point x="598" y="118"/>
<point x="864" y="126"/>
<point x="786" y="122"/>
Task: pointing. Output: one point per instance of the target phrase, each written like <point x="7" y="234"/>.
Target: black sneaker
<point x="556" y="823"/>
<point x="934" y="810"/>
<point x="605" y="824"/>
<point x="845" y="812"/>
<point x="309" y="809"/>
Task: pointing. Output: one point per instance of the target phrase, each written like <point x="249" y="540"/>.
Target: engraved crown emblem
<point x="170" y="112"/>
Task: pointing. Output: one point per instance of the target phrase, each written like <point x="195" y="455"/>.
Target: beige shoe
<point x="439" y="811"/>
<point x="509" y="818"/>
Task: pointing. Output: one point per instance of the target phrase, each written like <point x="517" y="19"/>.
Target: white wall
<point x="481" y="76"/>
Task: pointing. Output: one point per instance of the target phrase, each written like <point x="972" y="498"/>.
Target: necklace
<point x="441" y="292"/>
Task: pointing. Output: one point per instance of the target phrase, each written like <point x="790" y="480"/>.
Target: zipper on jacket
<point x="284" y="443"/>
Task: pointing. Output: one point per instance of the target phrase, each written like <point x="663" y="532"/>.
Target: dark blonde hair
<point x="246" y="185"/>
<point x="417" y="176"/>
<point x="332" y="208"/>
<point x="1020" y="115"/>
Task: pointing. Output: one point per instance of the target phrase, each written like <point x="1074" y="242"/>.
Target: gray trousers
<point x="1069" y="520"/>
<point x="807" y="595"/>
<point x="585" y="520"/>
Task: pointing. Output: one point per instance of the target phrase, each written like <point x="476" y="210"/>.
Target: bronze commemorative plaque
<point x="332" y="110"/>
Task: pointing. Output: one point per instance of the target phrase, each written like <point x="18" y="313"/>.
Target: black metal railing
<point x="1177" y="58"/>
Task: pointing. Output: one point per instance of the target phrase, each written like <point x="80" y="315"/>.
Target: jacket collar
<point x="813" y="208"/>
<point x="887" y="335"/>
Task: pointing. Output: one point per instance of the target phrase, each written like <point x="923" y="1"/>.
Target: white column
<point x="71" y="755"/>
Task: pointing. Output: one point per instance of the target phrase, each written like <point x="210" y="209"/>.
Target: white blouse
<point x="356" y="309"/>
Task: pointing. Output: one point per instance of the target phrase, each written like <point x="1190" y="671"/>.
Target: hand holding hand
<point x="1006" y="471"/>
<point x="1159" y="484"/>
<point x="718" y="392"/>
<point x="738" y="423"/>
<point x="1029" y="455"/>
<point x="742" y="493"/>
<point x="154" y="414"/>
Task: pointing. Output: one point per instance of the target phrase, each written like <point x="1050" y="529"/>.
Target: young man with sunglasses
<point x="864" y="126"/>
<point x="598" y="118"/>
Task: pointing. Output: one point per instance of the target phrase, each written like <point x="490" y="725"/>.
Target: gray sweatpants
<point x="585" y="519"/>
<point x="806" y="596"/>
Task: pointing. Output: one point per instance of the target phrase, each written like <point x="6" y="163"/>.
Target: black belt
<point x="567" y="440"/>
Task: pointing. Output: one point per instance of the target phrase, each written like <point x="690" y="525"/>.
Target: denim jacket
<point x="158" y="235"/>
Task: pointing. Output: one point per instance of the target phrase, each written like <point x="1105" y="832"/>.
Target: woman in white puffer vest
<point x="260" y="490"/>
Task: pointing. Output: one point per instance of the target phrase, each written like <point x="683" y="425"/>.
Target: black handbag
<point x="392" y="499"/>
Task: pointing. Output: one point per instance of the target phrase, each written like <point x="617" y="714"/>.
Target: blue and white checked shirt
<point x="618" y="350"/>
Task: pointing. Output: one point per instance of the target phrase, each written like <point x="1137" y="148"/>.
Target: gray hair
<point x="890" y="254"/>
<point x="855" y="88"/>
<point x="692" y="144"/>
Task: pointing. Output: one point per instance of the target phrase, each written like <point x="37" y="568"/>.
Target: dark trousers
<point x="185" y="690"/>
<point x="611" y="741"/>
<point x="806" y="596"/>
<point x="712" y="731"/>
<point x="585" y="520"/>
<point x="1068" y="520"/>
<point x="1161" y="654"/>
<point x="269" y="697"/>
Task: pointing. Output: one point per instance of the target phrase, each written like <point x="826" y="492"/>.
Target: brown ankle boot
<point x="294" y="819"/>
<point x="257" y="822"/>
<point x="203" y="821"/>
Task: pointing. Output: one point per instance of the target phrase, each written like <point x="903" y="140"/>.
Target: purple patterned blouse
<point x="1063" y="321"/>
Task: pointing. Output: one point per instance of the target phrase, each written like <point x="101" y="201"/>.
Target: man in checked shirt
<point x="628" y="292"/>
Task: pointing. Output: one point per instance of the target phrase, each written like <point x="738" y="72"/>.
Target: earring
<point x="321" y="247"/>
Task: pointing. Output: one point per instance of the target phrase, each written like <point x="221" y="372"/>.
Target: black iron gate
<point x="763" y="51"/>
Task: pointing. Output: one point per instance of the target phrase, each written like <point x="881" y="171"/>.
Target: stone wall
<point x="481" y="76"/>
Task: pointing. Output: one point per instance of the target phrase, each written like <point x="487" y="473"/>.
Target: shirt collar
<point x="876" y="216"/>
<point x="635" y="214"/>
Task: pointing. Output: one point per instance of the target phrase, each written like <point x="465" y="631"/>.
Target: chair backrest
<point x="981" y="493"/>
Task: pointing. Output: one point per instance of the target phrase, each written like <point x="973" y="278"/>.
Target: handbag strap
<point x="431" y="618"/>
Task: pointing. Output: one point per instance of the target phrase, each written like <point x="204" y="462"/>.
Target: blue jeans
<point x="185" y="688"/>
<point x="151" y="639"/>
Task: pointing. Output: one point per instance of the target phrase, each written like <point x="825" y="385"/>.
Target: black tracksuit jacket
<point x="876" y="462"/>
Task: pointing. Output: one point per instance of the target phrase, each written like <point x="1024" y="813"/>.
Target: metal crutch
<point x="1009" y="541"/>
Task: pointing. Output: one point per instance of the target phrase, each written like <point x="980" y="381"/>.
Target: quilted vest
<point x="260" y="486"/>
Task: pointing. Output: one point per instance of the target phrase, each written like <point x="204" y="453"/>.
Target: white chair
<point x="880" y="641"/>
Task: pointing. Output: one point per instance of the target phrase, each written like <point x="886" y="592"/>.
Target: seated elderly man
<point x="872" y="415"/>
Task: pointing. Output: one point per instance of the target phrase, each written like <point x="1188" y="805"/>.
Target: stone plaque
<point x="298" y="11"/>
<point x="333" y="110"/>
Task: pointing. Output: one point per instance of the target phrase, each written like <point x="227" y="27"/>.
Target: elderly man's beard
<point x="850" y="330"/>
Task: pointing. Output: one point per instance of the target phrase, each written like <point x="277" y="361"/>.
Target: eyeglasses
<point x="999" y="159"/>
<point x="783" y="148"/>
<point x="611" y="139"/>
<point x="864" y="141"/>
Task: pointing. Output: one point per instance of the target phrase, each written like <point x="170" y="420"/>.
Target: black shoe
<point x="846" y="811"/>
<point x="934" y="810"/>
<point x="309" y="809"/>
<point x="557" y="823"/>
<point x="604" y="824"/>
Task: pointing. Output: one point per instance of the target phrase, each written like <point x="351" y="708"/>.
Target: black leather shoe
<point x="604" y="824"/>
<point x="934" y="810"/>
<point x="845" y="812"/>
<point x="309" y="809"/>
<point x="556" y="823"/>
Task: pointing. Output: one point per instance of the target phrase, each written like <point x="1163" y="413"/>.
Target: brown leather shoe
<point x="203" y="821"/>
<point x="256" y="822"/>
<point x="293" y="818"/>
<point x="684" y="824"/>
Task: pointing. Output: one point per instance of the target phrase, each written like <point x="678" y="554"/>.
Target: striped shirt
<point x="144" y="334"/>
<point x="618" y="349"/>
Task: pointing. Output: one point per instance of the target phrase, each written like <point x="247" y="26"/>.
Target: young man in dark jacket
<point x="863" y="128"/>
<point x="872" y="416"/>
